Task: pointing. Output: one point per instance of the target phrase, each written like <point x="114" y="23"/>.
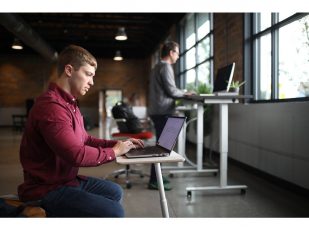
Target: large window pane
<point x="265" y="70"/>
<point x="265" y="21"/>
<point x="189" y="32"/>
<point x="203" y="73"/>
<point x="294" y="59"/>
<point x="203" y="25"/>
<point x="203" y="50"/>
<point x="284" y="15"/>
<point x="190" y="59"/>
<point x="190" y="79"/>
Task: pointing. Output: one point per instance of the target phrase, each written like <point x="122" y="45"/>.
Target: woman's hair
<point x="76" y="56"/>
<point x="167" y="47"/>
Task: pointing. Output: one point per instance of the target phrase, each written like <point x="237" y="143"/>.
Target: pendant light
<point x="118" y="56"/>
<point x="121" y="34"/>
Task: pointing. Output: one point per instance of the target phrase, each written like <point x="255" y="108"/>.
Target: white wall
<point x="272" y="137"/>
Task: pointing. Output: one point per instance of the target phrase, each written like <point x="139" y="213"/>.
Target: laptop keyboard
<point x="149" y="150"/>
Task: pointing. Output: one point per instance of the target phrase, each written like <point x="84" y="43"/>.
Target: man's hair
<point x="76" y="56"/>
<point x="167" y="47"/>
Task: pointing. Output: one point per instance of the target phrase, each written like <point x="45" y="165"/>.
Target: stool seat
<point x="24" y="209"/>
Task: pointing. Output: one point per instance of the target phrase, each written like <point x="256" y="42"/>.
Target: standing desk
<point x="172" y="158"/>
<point x="223" y="101"/>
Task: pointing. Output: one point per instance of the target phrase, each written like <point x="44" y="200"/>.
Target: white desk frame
<point x="223" y="102"/>
<point x="172" y="158"/>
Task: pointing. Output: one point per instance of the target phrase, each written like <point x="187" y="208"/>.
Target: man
<point x="55" y="144"/>
<point x="162" y="95"/>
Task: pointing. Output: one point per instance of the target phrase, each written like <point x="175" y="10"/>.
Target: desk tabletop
<point x="222" y="97"/>
<point x="173" y="157"/>
<point x="217" y="99"/>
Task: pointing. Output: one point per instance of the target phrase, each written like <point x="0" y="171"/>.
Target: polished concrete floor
<point x="262" y="199"/>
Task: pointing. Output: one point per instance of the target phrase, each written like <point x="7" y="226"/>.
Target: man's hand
<point x="122" y="147"/>
<point x="189" y="93"/>
<point x="138" y="143"/>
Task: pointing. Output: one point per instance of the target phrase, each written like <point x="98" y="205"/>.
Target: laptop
<point x="166" y="141"/>
<point x="223" y="81"/>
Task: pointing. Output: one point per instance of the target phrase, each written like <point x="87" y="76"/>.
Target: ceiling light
<point x="17" y="45"/>
<point x="121" y="34"/>
<point x="118" y="56"/>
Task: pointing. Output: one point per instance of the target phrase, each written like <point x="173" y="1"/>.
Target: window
<point x="280" y="52"/>
<point x="196" y="53"/>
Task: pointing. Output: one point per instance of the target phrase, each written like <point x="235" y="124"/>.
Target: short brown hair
<point x="76" y="56"/>
<point x="167" y="47"/>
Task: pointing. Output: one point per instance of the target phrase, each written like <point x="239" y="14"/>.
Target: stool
<point x="24" y="209"/>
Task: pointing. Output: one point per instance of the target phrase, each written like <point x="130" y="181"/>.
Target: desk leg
<point x="223" y="130"/>
<point x="200" y="135"/>
<point x="181" y="145"/>
<point x="163" y="201"/>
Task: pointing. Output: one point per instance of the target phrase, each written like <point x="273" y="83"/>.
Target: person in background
<point x="55" y="144"/>
<point x="162" y="95"/>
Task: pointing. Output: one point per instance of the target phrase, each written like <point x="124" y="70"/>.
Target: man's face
<point x="174" y="55"/>
<point x="81" y="80"/>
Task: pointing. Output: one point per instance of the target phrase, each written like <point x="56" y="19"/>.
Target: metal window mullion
<point x="196" y="45"/>
<point x="275" y="58"/>
<point x="256" y="57"/>
<point x="248" y="53"/>
<point x="211" y="65"/>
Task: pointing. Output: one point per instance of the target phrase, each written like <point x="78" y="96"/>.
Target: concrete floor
<point x="262" y="199"/>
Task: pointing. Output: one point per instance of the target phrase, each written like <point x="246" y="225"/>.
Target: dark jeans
<point x="93" y="198"/>
<point x="159" y="122"/>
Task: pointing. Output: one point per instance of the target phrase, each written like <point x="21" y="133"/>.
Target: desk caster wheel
<point x="129" y="185"/>
<point x="243" y="191"/>
<point x="189" y="195"/>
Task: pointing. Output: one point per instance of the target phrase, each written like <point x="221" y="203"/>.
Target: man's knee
<point x="117" y="212"/>
<point x="118" y="192"/>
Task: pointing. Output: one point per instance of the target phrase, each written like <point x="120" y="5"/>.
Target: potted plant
<point x="208" y="108"/>
<point x="235" y="85"/>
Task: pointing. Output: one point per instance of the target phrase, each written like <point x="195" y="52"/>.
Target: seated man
<point x="55" y="144"/>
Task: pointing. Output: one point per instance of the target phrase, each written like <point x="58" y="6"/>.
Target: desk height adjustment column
<point x="223" y="103"/>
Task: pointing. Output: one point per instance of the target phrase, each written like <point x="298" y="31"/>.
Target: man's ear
<point x="68" y="69"/>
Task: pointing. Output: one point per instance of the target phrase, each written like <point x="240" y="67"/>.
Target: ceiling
<point x="95" y="32"/>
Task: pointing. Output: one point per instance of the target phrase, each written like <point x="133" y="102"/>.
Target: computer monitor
<point x="224" y="78"/>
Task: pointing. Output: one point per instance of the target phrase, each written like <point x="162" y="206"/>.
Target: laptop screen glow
<point x="224" y="78"/>
<point x="170" y="132"/>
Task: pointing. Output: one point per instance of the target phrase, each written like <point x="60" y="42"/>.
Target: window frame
<point x="252" y="49"/>
<point x="181" y="70"/>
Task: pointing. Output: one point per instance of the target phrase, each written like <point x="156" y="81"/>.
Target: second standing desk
<point x="223" y="102"/>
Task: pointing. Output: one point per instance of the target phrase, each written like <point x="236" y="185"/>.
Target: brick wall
<point x="25" y="77"/>
<point x="228" y="42"/>
<point x="22" y="77"/>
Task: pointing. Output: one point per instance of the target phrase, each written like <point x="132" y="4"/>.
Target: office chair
<point x="145" y="134"/>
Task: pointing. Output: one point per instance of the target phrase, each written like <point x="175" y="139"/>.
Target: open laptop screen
<point x="224" y="78"/>
<point x="170" y="132"/>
